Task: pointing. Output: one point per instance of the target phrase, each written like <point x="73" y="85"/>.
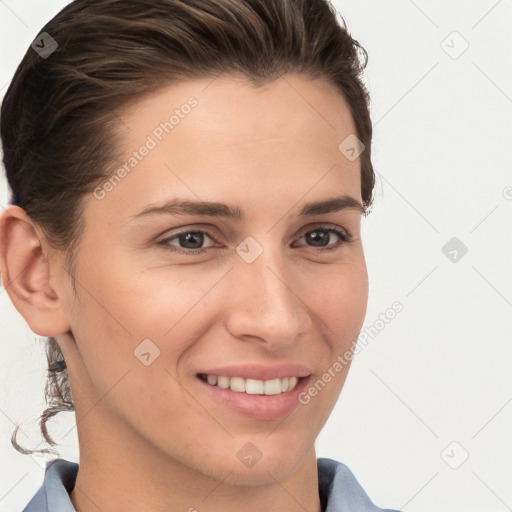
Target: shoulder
<point x="340" y="491"/>
<point x="53" y="495"/>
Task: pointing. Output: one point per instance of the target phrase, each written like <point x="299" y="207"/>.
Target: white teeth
<point x="253" y="386"/>
<point x="223" y="382"/>
<point x="272" y="387"/>
<point x="237" y="384"/>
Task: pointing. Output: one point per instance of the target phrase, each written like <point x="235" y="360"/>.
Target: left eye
<point x="320" y="237"/>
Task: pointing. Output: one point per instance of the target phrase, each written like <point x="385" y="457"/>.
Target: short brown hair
<point x="59" y="113"/>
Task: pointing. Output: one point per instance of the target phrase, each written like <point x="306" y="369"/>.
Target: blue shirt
<point x="339" y="490"/>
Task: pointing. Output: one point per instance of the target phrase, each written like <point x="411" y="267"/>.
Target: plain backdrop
<point x="425" y="417"/>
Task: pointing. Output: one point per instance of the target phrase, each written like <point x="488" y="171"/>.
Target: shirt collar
<point x="53" y="495"/>
<point x="338" y="488"/>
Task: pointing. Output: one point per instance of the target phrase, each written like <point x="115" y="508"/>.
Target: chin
<point x="250" y="466"/>
<point x="264" y="472"/>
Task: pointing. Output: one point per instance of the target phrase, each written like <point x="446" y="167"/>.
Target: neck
<point x="119" y="470"/>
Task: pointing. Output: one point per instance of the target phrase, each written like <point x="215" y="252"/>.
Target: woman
<point x="188" y="181"/>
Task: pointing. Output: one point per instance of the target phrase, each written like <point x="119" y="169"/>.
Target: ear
<point x="25" y="274"/>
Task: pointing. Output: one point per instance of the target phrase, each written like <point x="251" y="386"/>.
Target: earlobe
<point x="25" y="274"/>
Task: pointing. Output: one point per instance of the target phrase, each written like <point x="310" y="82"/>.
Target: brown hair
<point x="58" y="118"/>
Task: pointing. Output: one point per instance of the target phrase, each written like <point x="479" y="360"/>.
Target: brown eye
<point x="321" y="238"/>
<point x="189" y="241"/>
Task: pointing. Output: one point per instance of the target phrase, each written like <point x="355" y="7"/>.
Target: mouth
<point x="258" y="393"/>
<point x="276" y="386"/>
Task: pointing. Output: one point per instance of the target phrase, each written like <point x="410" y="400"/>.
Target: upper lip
<point x="260" y="371"/>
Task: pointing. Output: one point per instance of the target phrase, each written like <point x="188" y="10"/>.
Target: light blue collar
<point x="339" y="490"/>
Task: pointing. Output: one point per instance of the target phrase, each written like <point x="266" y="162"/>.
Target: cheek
<point x="339" y="306"/>
<point x="339" y="299"/>
<point x="127" y="361"/>
<point x="134" y="302"/>
<point x="127" y="317"/>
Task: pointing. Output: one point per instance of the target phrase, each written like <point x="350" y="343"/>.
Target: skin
<point x="149" y="436"/>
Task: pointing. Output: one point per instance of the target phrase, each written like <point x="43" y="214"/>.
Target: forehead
<point x="230" y="104"/>
<point x="226" y="139"/>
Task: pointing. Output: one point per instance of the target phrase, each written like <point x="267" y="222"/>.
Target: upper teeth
<point x="252" y="386"/>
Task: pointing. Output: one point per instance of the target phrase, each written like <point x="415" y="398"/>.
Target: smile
<point x="252" y="386"/>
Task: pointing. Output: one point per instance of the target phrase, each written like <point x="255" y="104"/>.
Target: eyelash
<point x="344" y="236"/>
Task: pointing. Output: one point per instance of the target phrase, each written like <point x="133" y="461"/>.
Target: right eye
<point x="194" y="238"/>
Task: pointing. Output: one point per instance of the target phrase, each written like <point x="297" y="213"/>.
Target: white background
<point x="439" y="372"/>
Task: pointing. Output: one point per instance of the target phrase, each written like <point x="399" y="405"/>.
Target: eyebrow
<point x="215" y="209"/>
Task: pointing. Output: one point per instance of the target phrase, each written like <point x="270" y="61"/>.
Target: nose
<point x="264" y="304"/>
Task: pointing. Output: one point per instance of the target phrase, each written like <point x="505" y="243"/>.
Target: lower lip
<point x="260" y="407"/>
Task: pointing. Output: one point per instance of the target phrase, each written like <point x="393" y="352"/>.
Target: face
<point x="181" y="307"/>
